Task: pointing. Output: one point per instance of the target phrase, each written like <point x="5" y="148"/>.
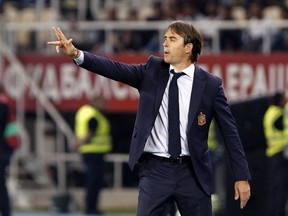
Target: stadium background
<point x="246" y="44"/>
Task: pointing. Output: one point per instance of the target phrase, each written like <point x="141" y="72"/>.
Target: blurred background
<point x="246" y="44"/>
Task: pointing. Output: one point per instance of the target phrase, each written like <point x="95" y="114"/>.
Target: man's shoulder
<point x="207" y="74"/>
<point x="155" y="59"/>
<point x="156" y="63"/>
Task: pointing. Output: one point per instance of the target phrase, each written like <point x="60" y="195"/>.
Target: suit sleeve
<point x="232" y="141"/>
<point x="130" y="74"/>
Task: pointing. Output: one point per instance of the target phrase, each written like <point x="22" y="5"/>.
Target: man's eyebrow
<point x="171" y="37"/>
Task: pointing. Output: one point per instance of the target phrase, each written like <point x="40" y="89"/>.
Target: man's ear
<point x="188" y="48"/>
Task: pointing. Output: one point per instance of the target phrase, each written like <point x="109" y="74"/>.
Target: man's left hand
<point x="242" y="191"/>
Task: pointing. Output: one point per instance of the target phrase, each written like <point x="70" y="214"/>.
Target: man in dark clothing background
<point x="5" y="154"/>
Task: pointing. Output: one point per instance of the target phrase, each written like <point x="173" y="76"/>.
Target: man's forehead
<point x="171" y="33"/>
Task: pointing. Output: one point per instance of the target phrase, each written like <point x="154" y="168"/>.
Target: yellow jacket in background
<point x="101" y="142"/>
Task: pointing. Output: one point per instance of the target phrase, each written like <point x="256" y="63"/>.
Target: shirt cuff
<point x="80" y="59"/>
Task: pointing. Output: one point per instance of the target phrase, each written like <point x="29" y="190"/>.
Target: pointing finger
<point x="57" y="43"/>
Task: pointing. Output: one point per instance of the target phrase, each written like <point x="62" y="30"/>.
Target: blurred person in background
<point x="172" y="154"/>
<point x="253" y="36"/>
<point x="129" y="40"/>
<point x="5" y="152"/>
<point x="230" y="39"/>
<point x="211" y="15"/>
<point x="280" y="39"/>
<point x="188" y="12"/>
<point x="274" y="131"/>
<point x="92" y="131"/>
<point x="150" y="37"/>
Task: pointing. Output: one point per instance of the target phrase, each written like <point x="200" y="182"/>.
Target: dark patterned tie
<point x="174" y="144"/>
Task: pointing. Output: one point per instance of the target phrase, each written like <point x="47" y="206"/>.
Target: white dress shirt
<point x="157" y="142"/>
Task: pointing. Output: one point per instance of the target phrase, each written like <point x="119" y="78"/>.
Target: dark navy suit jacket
<point x="207" y="97"/>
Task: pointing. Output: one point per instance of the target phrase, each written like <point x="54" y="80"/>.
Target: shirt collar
<point x="189" y="71"/>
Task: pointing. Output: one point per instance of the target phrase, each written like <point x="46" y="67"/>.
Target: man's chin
<point x="166" y="60"/>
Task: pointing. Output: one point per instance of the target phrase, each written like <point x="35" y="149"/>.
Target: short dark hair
<point x="190" y="35"/>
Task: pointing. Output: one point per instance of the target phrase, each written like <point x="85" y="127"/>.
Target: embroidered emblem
<point x="201" y="119"/>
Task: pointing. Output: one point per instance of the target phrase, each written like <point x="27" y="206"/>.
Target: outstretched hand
<point x="64" y="44"/>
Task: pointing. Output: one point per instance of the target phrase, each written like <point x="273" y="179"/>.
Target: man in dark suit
<point x="165" y="174"/>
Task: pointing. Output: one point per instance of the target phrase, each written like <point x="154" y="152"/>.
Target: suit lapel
<point x="163" y="79"/>
<point x="196" y="95"/>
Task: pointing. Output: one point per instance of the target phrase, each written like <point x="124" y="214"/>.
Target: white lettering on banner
<point x="280" y="74"/>
<point x="13" y="82"/>
<point x="102" y="86"/>
<point x="50" y="83"/>
<point x="217" y="71"/>
<point x="243" y="80"/>
<point x="259" y="86"/>
<point x="246" y="78"/>
<point x="204" y="66"/>
<point x="232" y="82"/>
<point x="65" y="84"/>
<point x="65" y="81"/>
<point x="121" y="92"/>
<point x="36" y="72"/>
<point x="134" y="93"/>
<point x="272" y="80"/>
<point x="68" y="81"/>
<point x="278" y="78"/>
<point x="84" y="84"/>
